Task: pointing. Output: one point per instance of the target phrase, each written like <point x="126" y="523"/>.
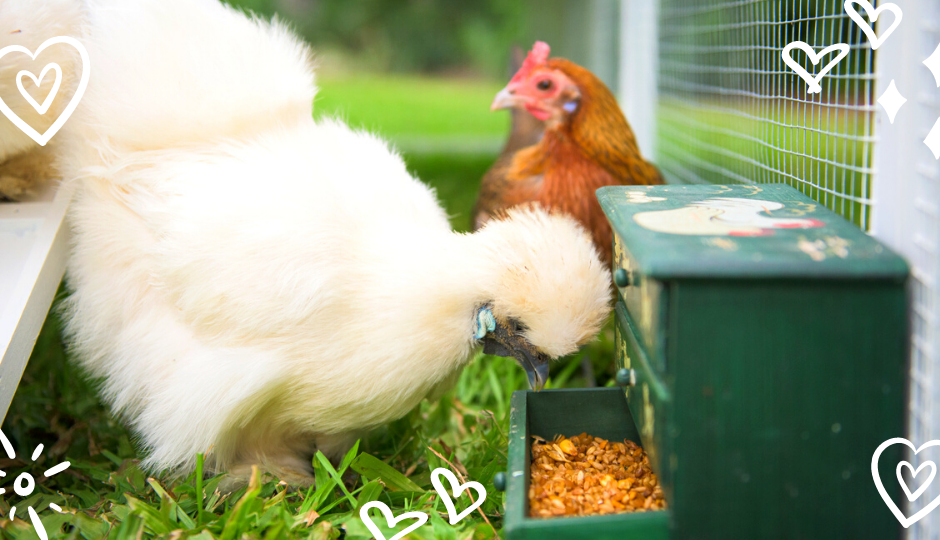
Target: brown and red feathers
<point x="587" y="144"/>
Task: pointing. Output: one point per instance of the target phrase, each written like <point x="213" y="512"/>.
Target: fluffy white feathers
<point x="173" y="72"/>
<point x="247" y="280"/>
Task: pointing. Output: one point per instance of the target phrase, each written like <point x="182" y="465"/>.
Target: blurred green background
<point x="453" y="37"/>
<point x="422" y="73"/>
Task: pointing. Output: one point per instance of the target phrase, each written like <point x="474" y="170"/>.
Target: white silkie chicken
<point x="25" y="166"/>
<point x="257" y="285"/>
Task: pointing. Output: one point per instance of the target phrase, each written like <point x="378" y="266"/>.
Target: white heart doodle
<point x="46" y="103"/>
<point x="873" y="15"/>
<point x="43" y="138"/>
<point x="904" y="520"/>
<point x="457" y="489"/>
<point x="813" y="82"/>
<point x="923" y="487"/>
<point x="390" y="519"/>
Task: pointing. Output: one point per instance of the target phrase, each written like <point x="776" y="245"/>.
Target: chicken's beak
<point x="505" y="99"/>
<point x="504" y="342"/>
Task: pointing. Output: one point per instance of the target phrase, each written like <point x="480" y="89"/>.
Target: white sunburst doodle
<point x="25" y="484"/>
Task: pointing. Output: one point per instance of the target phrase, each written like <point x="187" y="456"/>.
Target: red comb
<point x="537" y="57"/>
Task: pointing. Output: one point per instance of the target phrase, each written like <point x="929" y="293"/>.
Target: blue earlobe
<point x="485" y="322"/>
<point x="570" y="106"/>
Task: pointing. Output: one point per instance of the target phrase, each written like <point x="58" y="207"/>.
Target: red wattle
<point x="538" y="113"/>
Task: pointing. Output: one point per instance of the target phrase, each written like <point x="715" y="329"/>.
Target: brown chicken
<point x="587" y="144"/>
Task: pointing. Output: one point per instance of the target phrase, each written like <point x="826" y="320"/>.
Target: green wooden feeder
<point x="766" y="338"/>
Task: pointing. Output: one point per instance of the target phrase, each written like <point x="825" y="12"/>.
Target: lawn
<point x="423" y="115"/>
<point x="105" y="495"/>
<point x="396" y="105"/>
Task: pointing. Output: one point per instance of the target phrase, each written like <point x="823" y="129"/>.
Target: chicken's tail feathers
<point x="163" y="74"/>
<point x="28" y="24"/>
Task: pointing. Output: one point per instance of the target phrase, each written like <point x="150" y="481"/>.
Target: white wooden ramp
<point x="33" y="250"/>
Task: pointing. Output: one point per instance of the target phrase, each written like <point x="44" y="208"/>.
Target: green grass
<point x="106" y="495"/>
<point x="413" y="106"/>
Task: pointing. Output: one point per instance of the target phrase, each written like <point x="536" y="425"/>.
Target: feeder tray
<point x="764" y="340"/>
<point x="601" y="412"/>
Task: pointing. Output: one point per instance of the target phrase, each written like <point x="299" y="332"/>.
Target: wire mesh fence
<point x="731" y="111"/>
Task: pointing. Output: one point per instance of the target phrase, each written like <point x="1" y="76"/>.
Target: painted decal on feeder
<point x="649" y="420"/>
<point x="721" y="243"/>
<point x="829" y="246"/>
<point x="722" y="216"/>
<point x="638" y="197"/>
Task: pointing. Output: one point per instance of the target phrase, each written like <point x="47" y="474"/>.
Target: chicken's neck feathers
<point x="600" y="130"/>
<point x="436" y="282"/>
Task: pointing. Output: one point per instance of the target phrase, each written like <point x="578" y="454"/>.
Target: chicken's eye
<point x="544" y="84"/>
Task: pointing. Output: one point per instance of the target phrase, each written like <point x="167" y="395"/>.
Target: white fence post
<point x="639" y="58"/>
<point x="906" y="211"/>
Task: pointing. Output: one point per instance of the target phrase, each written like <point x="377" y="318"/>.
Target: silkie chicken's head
<point x="550" y="292"/>
<point x="543" y="88"/>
